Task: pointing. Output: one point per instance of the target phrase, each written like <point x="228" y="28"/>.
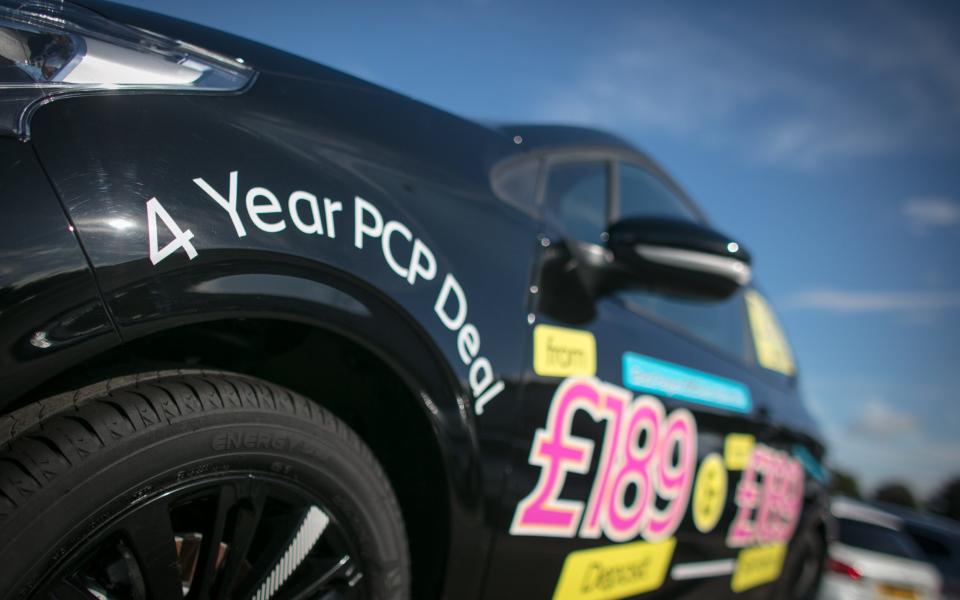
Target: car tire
<point x="804" y="567"/>
<point x="205" y="484"/>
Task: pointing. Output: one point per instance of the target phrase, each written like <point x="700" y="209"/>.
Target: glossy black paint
<point x="303" y="127"/>
<point x="51" y="312"/>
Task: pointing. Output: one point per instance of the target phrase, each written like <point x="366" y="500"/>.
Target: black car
<point x="270" y="331"/>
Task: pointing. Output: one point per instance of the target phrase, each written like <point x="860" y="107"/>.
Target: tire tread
<point x="40" y="441"/>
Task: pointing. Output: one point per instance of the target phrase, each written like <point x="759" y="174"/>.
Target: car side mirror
<point x="676" y="256"/>
<point x="670" y="256"/>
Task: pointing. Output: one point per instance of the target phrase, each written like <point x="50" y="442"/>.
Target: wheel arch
<point x="308" y="329"/>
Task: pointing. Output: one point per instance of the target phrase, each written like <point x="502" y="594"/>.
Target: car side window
<point x="642" y="194"/>
<point x="516" y="184"/>
<point x="720" y="323"/>
<point x="576" y="195"/>
<point x="868" y="536"/>
<point x="931" y="546"/>
<point x="577" y="204"/>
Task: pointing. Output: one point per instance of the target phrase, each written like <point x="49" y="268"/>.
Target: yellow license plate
<point x="896" y="591"/>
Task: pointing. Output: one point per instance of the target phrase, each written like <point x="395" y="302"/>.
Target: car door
<point x="646" y="459"/>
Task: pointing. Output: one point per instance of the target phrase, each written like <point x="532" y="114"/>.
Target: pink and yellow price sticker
<point x="769" y="499"/>
<point x="647" y="460"/>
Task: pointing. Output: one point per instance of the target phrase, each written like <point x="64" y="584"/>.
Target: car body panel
<point x="51" y="311"/>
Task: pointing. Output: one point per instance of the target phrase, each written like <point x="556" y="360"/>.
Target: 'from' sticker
<point x="614" y="571"/>
<point x="558" y="351"/>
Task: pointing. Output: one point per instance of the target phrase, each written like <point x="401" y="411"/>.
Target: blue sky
<point x="825" y="136"/>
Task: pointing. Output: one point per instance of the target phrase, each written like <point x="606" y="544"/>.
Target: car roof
<point x="935" y="526"/>
<point x="538" y="136"/>
<point x="927" y="521"/>
<point x="541" y="138"/>
<point x="846" y="508"/>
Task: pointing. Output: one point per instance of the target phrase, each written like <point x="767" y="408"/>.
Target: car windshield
<point x="876" y="538"/>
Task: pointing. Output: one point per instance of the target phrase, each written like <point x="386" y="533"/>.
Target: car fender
<point x="257" y="205"/>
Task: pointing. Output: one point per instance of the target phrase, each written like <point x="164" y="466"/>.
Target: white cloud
<point x="931" y="211"/>
<point x="883" y="427"/>
<point x="849" y="301"/>
<point x="858" y="90"/>
<point x="879" y="419"/>
<point x="874" y="460"/>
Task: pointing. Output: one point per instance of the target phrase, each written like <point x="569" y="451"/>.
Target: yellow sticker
<point x="757" y="566"/>
<point x="613" y="572"/>
<point x="709" y="493"/>
<point x="558" y="352"/>
<point x="773" y="351"/>
<point x="737" y="448"/>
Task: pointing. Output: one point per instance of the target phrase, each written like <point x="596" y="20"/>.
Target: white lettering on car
<point x="397" y="241"/>
<point x="272" y="206"/>
<point x="228" y="204"/>
<point x="361" y="228"/>
<point x="440" y="307"/>
<point x="316" y="224"/>
<point x="329" y="209"/>
<point x="388" y="230"/>
<point x="181" y="238"/>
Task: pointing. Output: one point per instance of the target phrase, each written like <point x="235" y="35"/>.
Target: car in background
<point x="940" y="542"/>
<point x="874" y="557"/>
<point x="939" y="539"/>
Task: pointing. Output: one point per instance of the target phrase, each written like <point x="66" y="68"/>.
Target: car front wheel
<point x="193" y="485"/>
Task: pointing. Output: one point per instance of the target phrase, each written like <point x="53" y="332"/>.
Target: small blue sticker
<point x="645" y="374"/>
<point x="810" y="464"/>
